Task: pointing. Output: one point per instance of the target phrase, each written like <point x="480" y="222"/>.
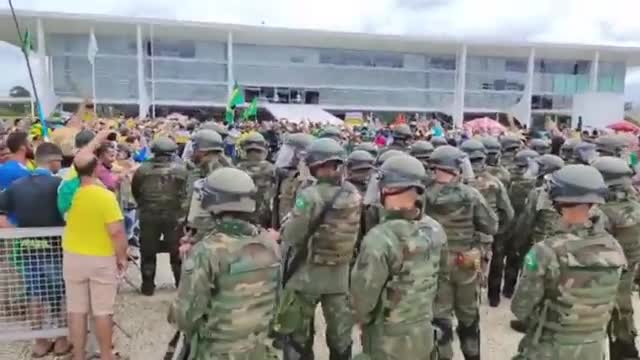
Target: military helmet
<point x="360" y="160"/>
<point x="447" y="157"/>
<point x="402" y="171"/>
<point x="566" y="150"/>
<point x="540" y="146"/>
<point x="510" y="143"/>
<point x="369" y="147"/>
<point x="324" y="150"/>
<point x="421" y="149"/>
<point x="474" y="149"/>
<point x="387" y="155"/>
<point x="438" y="141"/>
<point x="212" y="125"/>
<point x="331" y="132"/>
<point x="611" y="145"/>
<point x="614" y="170"/>
<point x="402" y="131"/>
<point x="228" y="190"/>
<point x="163" y="145"/>
<point x="255" y="141"/>
<point x="523" y="156"/>
<point x="549" y="163"/>
<point x="299" y="141"/>
<point x="208" y="140"/>
<point x="584" y="152"/>
<point x="578" y="184"/>
<point x="491" y="144"/>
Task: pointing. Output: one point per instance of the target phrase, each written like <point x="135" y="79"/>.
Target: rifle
<point x="275" y="212"/>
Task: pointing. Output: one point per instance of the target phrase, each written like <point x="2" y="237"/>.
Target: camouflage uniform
<point x="540" y="146"/>
<point x="422" y="150"/>
<point x="158" y="187"/>
<point x="570" y="280"/>
<point x="623" y="212"/>
<point x="462" y="211"/>
<point x="494" y="157"/>
<point x="402" y="136"/>
<point x="497" y="197"/>
<point x="396" y="276"/>
<point x="227" y="294"/>
<point x="369" y="147"/>
<point x="518" y="192"/>
<point x="323" y="277"/>
<point x="359" y="166"/>
<point x="373" y="212"/>
<point x="263" y="174"/>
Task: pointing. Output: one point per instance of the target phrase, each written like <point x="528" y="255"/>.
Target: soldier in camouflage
<point x="402" y="136"/>
<point x="566" y="150"/>
<point x="611" y="145"/>
<point x="359" y="166"/>
<point x="540" y="146"/>
<point x="422" y="150"/>
<point x="396" y="275"/>
<point x="518" y="192"/>
<point x="494" y="156"/>
<point x="569" y="281"/>
<point x="462" y="211"/>
<point x="158" y="187"/>
<point x="332" y="132"/>
<point x="369" y="147"/>
<point x="373" y="209"/>
<point x="623" y="212"/>
<point x="320" y="234"/>
<point x="262" y="172"/>
<point x="496" y="195"/>
<point x="438" y="141"/>
<point x="290" y="175"/>
<point x="229" y="281"/>
<point x="584" y="153"/>
<point x="510" y="145"/>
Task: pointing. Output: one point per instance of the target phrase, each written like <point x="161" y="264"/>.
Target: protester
<point x="106" y="157"/>
<point x="95" y="256"/>
<point x="33" y="201"/>
<point x="16" y="167"/>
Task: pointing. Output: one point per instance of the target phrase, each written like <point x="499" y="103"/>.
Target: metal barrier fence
<point x="32" y="297"/>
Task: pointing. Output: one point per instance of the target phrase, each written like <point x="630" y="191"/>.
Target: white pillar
<point x="153" y="74"/>
<point x="230" y="78"/>
<point x="593" y="83"/>
<point x="461" y="69"/>
<point x="143" y="103"/>
<point x="528" y="88"/>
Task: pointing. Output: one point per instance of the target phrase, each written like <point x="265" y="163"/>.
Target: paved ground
<point x="144" y="319"/>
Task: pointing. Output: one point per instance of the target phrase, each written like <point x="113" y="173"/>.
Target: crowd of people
<point x="394" y="230"/>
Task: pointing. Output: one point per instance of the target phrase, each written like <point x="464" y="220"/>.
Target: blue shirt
<point x="11" y="171"/>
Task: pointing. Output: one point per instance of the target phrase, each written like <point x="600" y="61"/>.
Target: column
<point x="528" y="88"/>
<point x="458" y="104"/>
<point x="593" y="83"/>
<point x="143" y="102"/>
<point x="230" y="79"/>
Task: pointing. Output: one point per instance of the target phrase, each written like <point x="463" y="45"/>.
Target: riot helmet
<point x="228" y="190"/>
<point x="577" y="184"/>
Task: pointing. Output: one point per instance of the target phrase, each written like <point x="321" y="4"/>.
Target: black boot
<point x="291" y="351"/>
<point x="494" y="297"/>
<point x="619" y="350"/>
<point x="176" y="269"/>
<point x="148" y="280"/>
<point x="518" y="326"/>
<point x="470" y="340"/>
<point x="335" y="355"/>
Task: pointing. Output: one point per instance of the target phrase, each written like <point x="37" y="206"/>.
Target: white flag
<point x="93" y="47"/>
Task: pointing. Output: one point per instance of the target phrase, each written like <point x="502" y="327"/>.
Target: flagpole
<point x="45" y="131"/>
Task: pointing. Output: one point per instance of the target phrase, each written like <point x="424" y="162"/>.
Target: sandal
<point x="66" y="351"/>
<point x="38" y="355"/>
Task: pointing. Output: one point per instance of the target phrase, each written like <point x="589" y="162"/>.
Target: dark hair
<point x="48" y="151"/>
<point x="103" y="149"/>
<point x="17" y="139"/>
<point x="83" y="138"/>
<point x="88" y="168"/>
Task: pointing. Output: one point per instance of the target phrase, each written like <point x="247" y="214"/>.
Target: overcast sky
<point x="580" y="21"/>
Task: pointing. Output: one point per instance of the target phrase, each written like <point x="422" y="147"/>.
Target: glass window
<point x="442" y="63"/>
<point x="563" y="66"/>
<point x="516" y="65"/>
<point x="72" y="76"/>
<point x="168" y="48"/>
<point x="116" y="45"/>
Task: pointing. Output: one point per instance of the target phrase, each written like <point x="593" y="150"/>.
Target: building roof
<point x="180" y="29"/>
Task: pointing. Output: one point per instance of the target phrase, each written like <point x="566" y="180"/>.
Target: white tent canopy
<point x="301" y="113"/>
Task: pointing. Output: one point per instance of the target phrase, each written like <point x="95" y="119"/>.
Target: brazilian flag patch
<point x="531" y="261"/>
<point x="301" y="203"/>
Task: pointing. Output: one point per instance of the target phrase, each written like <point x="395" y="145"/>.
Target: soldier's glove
<point x="444" y="330"/>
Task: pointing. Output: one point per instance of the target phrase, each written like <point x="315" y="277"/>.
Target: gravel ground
<point x="144" y="319"/>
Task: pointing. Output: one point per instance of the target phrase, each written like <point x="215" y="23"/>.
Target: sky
<point x="613" y="22"/>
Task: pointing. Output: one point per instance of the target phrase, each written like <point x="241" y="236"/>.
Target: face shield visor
<point x="466" y="169"/>
<point x="532" y="170"/>
<point x="288" y="157"/>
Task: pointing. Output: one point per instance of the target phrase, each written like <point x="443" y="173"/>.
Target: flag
<point x="27" y="42"/>
<point x="252" y="110"/>
<point x="237" y="98"/>
<point x="399" y="120"/>
<point x="93" y="47"/>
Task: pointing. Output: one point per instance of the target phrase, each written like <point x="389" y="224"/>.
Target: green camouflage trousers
<point x="459" y="296"/>
<point x="413" y="342"/>
<point x="548" y="350"/>
<point x="622" y="326"/>
<point x="206" y="350"/>
<point x="336" y="309"/>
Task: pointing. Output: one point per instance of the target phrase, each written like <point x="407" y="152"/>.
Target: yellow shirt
<point x="93" y="208"/>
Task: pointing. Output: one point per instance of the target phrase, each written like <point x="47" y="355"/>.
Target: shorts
<point x="91" y="283"/>
<point x="43" y="276"/>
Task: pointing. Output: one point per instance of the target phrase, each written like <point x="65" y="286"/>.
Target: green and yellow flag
<point x="251" y="110"/>
<point x="237" y="98"/>
<point x="27" y="42"/>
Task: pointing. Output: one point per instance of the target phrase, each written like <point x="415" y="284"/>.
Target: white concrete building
<point x="157" y="62"/>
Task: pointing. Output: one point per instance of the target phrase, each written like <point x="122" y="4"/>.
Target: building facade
<point x="156" y="62"/>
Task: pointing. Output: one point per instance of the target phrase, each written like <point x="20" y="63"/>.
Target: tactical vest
<point x="243" y="303"/>
<point x="488" y="188"/>
<point x="159" y="188"/>
<point x="359" y="179"/>
<point x="546" y="219"/>
<point x="501" y="173"/>
<point x="624" y="215"/>
<point x="579" y="306"/>
<point x="409" y="294"/>
<point x="262" y="174"/>
<point x="452" y="207"/>
<point x="332" y="244"/>
<point x="287" y="193"/>
<point x="519" y="191"/>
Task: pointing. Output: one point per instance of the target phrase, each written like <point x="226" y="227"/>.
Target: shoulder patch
<point x="301" y="203"/>
<point x="531" y="260"/>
